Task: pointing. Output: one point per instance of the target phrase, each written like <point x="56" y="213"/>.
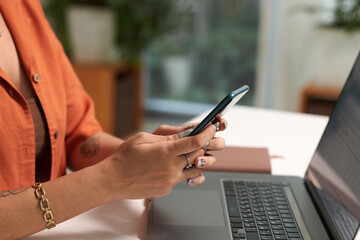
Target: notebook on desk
<point x="325" y="204"/>
<point x="242" y="159"/>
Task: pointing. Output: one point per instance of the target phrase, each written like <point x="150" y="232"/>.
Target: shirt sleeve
<point x="80" y="116"/>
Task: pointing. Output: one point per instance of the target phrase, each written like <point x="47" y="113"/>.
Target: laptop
<point x="325" y="204"/>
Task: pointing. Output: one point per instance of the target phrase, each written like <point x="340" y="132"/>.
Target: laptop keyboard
<point x="259" y="211"/>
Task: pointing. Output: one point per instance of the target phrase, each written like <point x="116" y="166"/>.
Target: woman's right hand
<point x="148" y="165"/>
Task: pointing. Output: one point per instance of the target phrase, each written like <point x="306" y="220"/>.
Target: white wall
<point x="292" y="53"/>
<point x="284" y="52"/>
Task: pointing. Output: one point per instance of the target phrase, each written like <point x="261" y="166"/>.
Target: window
<point x="212" y="53"/>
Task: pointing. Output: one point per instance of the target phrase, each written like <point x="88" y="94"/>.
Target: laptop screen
<point x="334" y="171"/>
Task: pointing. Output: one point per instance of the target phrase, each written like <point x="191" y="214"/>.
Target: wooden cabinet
<point x="117" y="93"/>
<point x="318" y="99"/>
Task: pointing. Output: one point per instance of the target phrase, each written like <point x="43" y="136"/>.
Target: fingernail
<point x="217" y="126"/>
<point x="225" y="125"/>
<point x="201" y="162"/>
<point x="206" y="144"/>
<point x="189" y="126"/>
<point x="184" y="133"/>
<point x="191" y="182"/>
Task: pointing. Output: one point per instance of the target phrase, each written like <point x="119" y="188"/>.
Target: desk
<point x="291" y="136"/>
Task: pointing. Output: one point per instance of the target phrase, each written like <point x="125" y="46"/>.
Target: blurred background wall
<point x="170" y="60"/>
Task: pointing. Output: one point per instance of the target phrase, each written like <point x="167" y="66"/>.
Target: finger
<point x="168" y="130"/>
<point x="193" y="143"/>
<point x="191" y="173"/>
<point x="184" y="133"/>
<point x="187" y="129"/>
<point x="189" y="126"/>
<point x="205" y="161"/>
<point x="196" y="181"/>
<point x="215" y="144"/>
<point x="183" y="163"/>
<point x="223" y="124"/>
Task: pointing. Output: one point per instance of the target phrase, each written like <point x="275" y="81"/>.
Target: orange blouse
<point x="68" y="109"/>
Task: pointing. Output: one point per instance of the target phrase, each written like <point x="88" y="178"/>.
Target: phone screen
<point x="230" y="100"/>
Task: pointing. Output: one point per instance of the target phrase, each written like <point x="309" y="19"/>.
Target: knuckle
<point x="196" y="143"/>
<point x="163" y="127"/>
<point x="169" y="138"/>
<point x="142" y="135"/>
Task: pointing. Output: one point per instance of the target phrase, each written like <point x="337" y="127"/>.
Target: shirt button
<point x="36" y="78"/>
<point x="56" y="134"/>
<point x="11" y="93"/>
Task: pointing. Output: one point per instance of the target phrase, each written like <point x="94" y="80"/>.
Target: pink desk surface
<point x="123" y="219"/>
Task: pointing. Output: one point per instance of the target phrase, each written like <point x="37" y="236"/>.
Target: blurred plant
<point x="222" y="58"/>
<point x="345" y="13"/>
<point x="227" y="59"/>
<point x="138" y="21"/>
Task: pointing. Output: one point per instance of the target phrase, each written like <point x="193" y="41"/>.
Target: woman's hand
<point x="149" y="165"/>
<point x="215" y="144"/>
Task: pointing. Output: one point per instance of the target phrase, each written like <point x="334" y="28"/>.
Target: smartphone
<point x="221" y="108"/>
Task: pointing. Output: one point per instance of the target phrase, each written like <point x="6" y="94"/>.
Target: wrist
<point x="106" y="179"/>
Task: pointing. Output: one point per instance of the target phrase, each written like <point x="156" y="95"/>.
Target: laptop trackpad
<point x="189" y="208"/>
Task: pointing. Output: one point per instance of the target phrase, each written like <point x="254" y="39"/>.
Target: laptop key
<point x="252" y="236"/>
<point x="232" y="206"/>
<point x="247" y="215"/>
<point x="236" y="225"/>
<point x="260" y="214"/>
<point x="286" y="215"/>
<point x="292" y="234"/>
<point x="290" y="225"/>
<point x="265" y="232"/>
<point x="239" y="235"/>
<point x="264" y="227"/>
<point x="262" y="223"/>
<point x="277" y="226"/>
<point x="235" y="219"/>
<point x="288" y="220"/>
<point x="275" y="222"/>
<point x="261" y="218"/>
<point x="293" y="230"/>
<point x="251" y="229"/>
<point x="278" y="231"/>
<point x="266" y="237"/>
<point x="274" y="217"/>
<point x="247" y="220"/>
<point x="251" y="224"/>
<point x="280" y="237"/>
<point x="284" y="211"/>
<point x="272" y="213"/>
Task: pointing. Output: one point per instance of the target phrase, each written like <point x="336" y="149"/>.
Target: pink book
<point x="242" y="159"/>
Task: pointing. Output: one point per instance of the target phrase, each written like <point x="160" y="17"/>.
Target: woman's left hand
<point x="215" y="144"/>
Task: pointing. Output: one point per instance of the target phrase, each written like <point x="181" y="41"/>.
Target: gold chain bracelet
<point x="44" y="205"/>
